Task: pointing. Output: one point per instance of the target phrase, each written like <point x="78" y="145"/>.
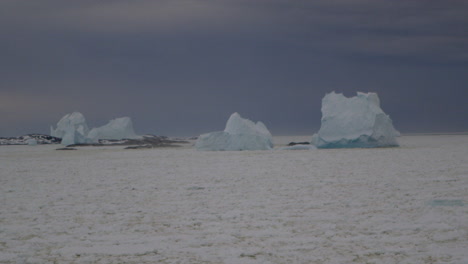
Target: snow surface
<point x="179" y="205"/>
<point x="239" y="134"/>
<point x="356" y="122"/>
<point x="118" y="128"/>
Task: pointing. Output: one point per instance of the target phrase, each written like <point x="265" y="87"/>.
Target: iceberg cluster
<point x="356" y="122"/>
<point x="239" y="134"/>
<point x="72" y="129"/>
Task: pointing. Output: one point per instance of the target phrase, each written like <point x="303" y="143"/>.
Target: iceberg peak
<point x="238" y="125"/>
<point x="71" y="128"/>
<point x="239" y="134"/>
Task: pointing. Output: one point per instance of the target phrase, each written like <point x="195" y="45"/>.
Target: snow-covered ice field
<point x="179" y="205"/>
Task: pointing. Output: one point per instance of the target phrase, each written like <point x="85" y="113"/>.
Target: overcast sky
<point x="180" y="68"/>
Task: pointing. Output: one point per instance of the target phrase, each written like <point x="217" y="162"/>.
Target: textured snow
<point x="356" y="122"/>
<point x="72" y="129"/>
<point x="239" y="134"/>
<point x="118" y="128"/>
<point x="179" y="205"/>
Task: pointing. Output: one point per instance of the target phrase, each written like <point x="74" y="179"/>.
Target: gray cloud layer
<point x="181" y="67"/>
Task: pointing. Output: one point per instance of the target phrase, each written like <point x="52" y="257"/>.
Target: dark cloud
<point x="182" y="67"/>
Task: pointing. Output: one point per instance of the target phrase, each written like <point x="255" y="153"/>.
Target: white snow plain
<point x="179" y="205"/>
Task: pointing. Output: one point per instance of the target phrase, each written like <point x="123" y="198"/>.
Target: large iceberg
<point x="356" y="122"/>
<point x="239" y="134"/>
<point x="72" y="129"/>
<point x="118" y="128"/>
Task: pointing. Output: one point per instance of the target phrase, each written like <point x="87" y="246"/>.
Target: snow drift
<point x="356" y="122"/>
<point x="239" y="134"/>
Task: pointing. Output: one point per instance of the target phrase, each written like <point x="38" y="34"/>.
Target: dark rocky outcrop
<point x="23" y="140"/>
<point x="146" y="141"/>
<point x="298" y="143"/>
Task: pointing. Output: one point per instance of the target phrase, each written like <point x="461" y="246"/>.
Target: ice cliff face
<point x="356" y="122"/>
<point x="72" y="129"/>
<point x="239" y="134"/>
<point x="118" y="128"/>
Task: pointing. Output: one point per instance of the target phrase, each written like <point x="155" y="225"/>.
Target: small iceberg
<point x="118" y="128"/>
<point x="239" y="134"/>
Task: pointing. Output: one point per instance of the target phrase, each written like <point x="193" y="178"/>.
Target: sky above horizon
<point x="181" y="68"/>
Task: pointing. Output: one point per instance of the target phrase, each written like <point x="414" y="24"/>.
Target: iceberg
<point x="118" y="128"/>
<point x="239" y="134"/>
<point x="31" y="142"/>
<point x="356" y="122"/>
<point x="72" y="129"/>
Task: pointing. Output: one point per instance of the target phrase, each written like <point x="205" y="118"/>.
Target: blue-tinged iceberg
<point x="31" y="142"/>
<point x="72" y="129"/>
<point x="239" y="134"/>
<point x="119" y="128"/>
<point x="356" y="122"/>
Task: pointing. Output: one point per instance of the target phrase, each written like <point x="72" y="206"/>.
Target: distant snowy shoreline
<point x="149" y="140"/>
<point x="279" y="140"/>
